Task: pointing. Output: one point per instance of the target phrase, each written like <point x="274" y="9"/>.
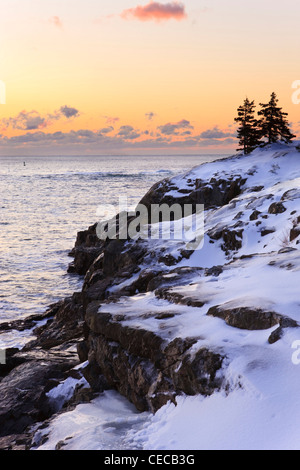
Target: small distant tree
<point x="273" y="124"/>
<point x="248" y="134"/>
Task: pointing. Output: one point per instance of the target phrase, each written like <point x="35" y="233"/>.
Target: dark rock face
<point x="255" y="214"/>
<point x="277" y="334"/>
<point x="295" y="230"/>
<point x="214" y="271"/>
<point x="66" y="324"/>
<point x="215" y="193"/>
<point x="276" y="208"/>
<point x="28" y="322"/>
<point x="294" y="233"/>
<point x="249" y="318"/>
<point x="232" y="240"/>
<point x="87" y="248"/>
<point x="15" y="442"/>
<point x="199" y="376"/>
<point x="23" y="390"/>
<point x="29" y="374"/>
<point x="83" y="258"/>
<point x="176" y="298"/>
<point x="246" y="318"/>
<point x="145" y="368"/>
<point x="87" y="238"/>
<point x="266" y="231"/>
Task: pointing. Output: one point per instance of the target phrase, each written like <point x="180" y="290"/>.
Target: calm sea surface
<point x="44" y="203"/>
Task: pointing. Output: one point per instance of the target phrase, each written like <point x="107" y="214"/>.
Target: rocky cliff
<point x="156" y="320"/>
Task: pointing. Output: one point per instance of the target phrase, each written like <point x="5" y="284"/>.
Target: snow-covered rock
<point x="208" y="339"/>
<point x="204" y="342"/>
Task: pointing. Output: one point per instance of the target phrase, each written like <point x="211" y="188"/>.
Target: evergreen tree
<point x="273" y="124"/>
<point x="249" y="137"/>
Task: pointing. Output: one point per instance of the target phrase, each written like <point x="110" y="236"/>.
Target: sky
<point x="140" y="76"/>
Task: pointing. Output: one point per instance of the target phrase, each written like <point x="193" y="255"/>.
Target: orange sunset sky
<point x="140" y="76"/>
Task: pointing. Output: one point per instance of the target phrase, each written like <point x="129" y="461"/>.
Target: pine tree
<point x="249" y="137"/>
<point x="273" y="124"/>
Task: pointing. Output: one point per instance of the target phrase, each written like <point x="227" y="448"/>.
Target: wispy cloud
<point x="150" y="116"/>
<point x="110" y="120"/>
<point x="155" y="11"/>
<point x="56" y="21"/>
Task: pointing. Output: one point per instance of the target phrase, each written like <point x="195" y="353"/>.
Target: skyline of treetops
<point x="270" y="125"/>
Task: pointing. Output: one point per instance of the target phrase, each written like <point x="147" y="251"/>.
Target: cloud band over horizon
<point x="126" y="138"/>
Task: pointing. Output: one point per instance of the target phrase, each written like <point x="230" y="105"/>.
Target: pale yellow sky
<point x="139" y="75"/>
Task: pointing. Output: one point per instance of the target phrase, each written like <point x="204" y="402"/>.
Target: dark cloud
<point x="150" y="116"/>
<point x="111" y="120"/>
<point x="43" y="138"/>
<point x="128" y="133"/>
<point x="69" y="112"/>
<point x="125" y="130"/>
<point x="215" y="133"/>
<point x="83" y="133"/>
<point x="106" y="130"/>
<point x="155" y="11"/>
<point x="175" y="128"/>
<point x="186" y="133"/>
<point x="25" y="121"/>
<point x="216" y="142"/>
<point x="82" y="136"/>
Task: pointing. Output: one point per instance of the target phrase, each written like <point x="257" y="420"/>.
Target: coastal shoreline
<point x="124" y="323"/>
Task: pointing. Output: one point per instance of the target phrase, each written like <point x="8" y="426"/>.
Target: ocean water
<point x="44" y="203"/>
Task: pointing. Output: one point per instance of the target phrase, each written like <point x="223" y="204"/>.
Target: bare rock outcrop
<point x="148" y="370"/>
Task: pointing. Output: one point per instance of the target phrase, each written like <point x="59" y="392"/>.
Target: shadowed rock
<point x="246" y="318"/>
<point x="276" y="208"/>
<point x="23" y="390"/>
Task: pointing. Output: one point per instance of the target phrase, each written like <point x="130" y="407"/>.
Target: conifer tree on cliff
<point x="248" y="134"/>
<point x="273" y="124"/>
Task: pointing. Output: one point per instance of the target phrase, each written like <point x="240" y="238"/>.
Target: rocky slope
<point x="156" y="320"/>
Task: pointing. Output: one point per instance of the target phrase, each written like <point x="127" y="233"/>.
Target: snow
<point x="258" y="406"/>
<point x="260" y="412"/>
<point x="59" y="395"/>
<point x="99" y="425"/>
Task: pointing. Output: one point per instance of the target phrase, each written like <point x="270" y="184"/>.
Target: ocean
<point x="44" y="202"/>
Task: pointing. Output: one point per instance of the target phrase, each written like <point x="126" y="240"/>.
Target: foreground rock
<point x="23" y="390"/>
<point x="144" y="367"/>
<point x="29" y="374"/>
